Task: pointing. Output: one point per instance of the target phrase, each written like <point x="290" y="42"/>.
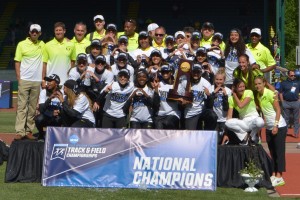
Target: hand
<point x="96" y="107"/>
<point x="43" y="84"/>
<point x="108" y="88"/>
<point x="274" y="130"/>
<point x="206" y="91"/>
<point x="60" y="96"/>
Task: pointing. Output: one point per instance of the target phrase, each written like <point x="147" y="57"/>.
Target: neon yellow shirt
<point x="58" y="57"/>
<point x="80" y="46"/>
<point x="238" y="74"/>
<point x="262" y="55"/>
<point x="266" y="103"/>
<point x="96" y="35"/>
<point x="31" y="57"/>
<point x="249" y="109"/>
<point x="207" y="43"/>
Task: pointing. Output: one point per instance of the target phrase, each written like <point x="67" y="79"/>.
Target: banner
<point x="130" y="158"/>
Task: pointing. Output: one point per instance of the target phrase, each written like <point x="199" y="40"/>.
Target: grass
<point x="7" y="122"/>
<point x="34" y="191"/>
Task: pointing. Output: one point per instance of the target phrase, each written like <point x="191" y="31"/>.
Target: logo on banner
<point x="59" y="151"/>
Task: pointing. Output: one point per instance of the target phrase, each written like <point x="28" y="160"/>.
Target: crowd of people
<point x="111" y="79"/>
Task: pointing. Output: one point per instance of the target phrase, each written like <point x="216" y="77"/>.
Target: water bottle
<point x="110" y="48"/>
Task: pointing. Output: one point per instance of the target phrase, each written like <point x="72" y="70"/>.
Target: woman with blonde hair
<point x="76" y="110"/>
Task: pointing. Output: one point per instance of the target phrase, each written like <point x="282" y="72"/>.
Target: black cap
<point x="196" y="35"/>
<point x="143" y="34"/>
<point x="170" y="37"/>
<point x="201" y="50"/>
<point x="166" y="68"/>
<point x="82" y="56"/>
<point x="218" y="35"/>
<point x="111" y="27"/>
<point x="71" y="84"/>
<point x="155" y="51"/>
<point x="196" y="67"/>
<point x="208" y="25"/>
<point x="122" y="55"/>
<point x="53" y="77"/>
<point x="124" y="72"/>
<point x="94" y="43"/>
<point x="100" y="58"/>
<point x="123" y="38"/>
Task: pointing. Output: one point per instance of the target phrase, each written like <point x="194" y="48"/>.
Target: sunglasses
<point x="292" y="75"/>
<point x="81" y="62"/>
<point x="188" y="36"/>
<point x="180" y="37"/>
<point x="160" y="35"/>
<point x="100" y="63"/>
<point x="34" y="31"/>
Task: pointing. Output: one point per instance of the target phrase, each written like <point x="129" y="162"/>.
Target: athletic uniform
<point x="141" y="115"/>
<point x="249" y="119"/>
<point x="80" y="115"/>
<point x="276" y="143"/>
<point x="200" y="109"/>
<point x="115" y="70"/>
<point x="114" y="116"/>
<point x="168" y="114"/>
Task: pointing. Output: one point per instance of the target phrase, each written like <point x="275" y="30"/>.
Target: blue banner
<point x="130" y="158"/>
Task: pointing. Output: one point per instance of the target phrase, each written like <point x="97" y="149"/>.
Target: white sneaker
<point x="272" y="178"/>
<point x="278" y="182"/>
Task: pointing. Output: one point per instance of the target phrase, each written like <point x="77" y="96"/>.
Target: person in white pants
<point x="249" y="120"/>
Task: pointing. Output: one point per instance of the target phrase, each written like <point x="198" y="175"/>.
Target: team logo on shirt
<point x="198" y="95"/>
<point x="163" y="95"/>
<point x="120" y="98"/>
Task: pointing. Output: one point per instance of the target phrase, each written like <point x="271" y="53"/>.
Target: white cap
<point x="256" y="30"/>
<point x="35" y="27"/>
<point x="99" y="17"/>
<point x="179" y="33"/>
<point x="152" y="27"/>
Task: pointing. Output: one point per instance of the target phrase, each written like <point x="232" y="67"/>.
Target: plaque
<point x="182" y="83"/>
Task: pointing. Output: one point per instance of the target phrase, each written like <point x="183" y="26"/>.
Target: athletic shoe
<point x="278" y="182"/>
<point x="272" y="178"/>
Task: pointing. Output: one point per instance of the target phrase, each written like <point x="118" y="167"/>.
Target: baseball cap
<point x="170" y="37"/>
<point x="53" y="77"/>
<point x="82" y="56"/>
<point x="111" y="27"/>
<point x="143" y="34"/>
<point x="99" y="17"/>
<point x="196" y="35"/>
<point x="166" y="68"/>
<point x="179" y="33"/>
<point x="155" y="51"/>
<point x="196" y="67"/>
<point x="100" y="58"/>
<point x="124" y="72"/>
<point x="35" y="27"/>
<point x="201" y="50"/>
<point x="208" y="25"/>
<point x="122" y="55"/>
<point x="218" y="35"/>
<point x="256" y="30"/>
<point x="123" y="38"/>
<point x="152" y="27"/>
<point x="71" y="84"/>
<point x="94" y="43"/>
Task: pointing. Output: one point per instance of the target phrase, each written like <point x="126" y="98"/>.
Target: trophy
<point x="182" y="83"/>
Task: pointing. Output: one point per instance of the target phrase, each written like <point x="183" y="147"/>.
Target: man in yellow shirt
<point x="159" y="38"/>
<point x="207" y="32"/>
<point x="29" y="66"/>
<point x="261" y="53"/>
<point x="129" y="31"/>
<point x="81" y="43"/>
<point x="99" y="33"/>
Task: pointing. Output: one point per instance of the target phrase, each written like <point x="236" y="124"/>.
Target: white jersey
<point x="106" y="77"/>
<point x="43" y="96"/>
<point x="75" y="75"/>
<point x="82" y="106"/>
<point x="231" y="62"/>
<point x="115" y="70"/>
<point x="167" y="107"/>
<point x="140" y="111"/>
<point x="91" y="59"/>
<point x="139" y="52"/>
<point x="218" y="104"/>
<point x="116" y="98"/>
<point x="199" y="97"/>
